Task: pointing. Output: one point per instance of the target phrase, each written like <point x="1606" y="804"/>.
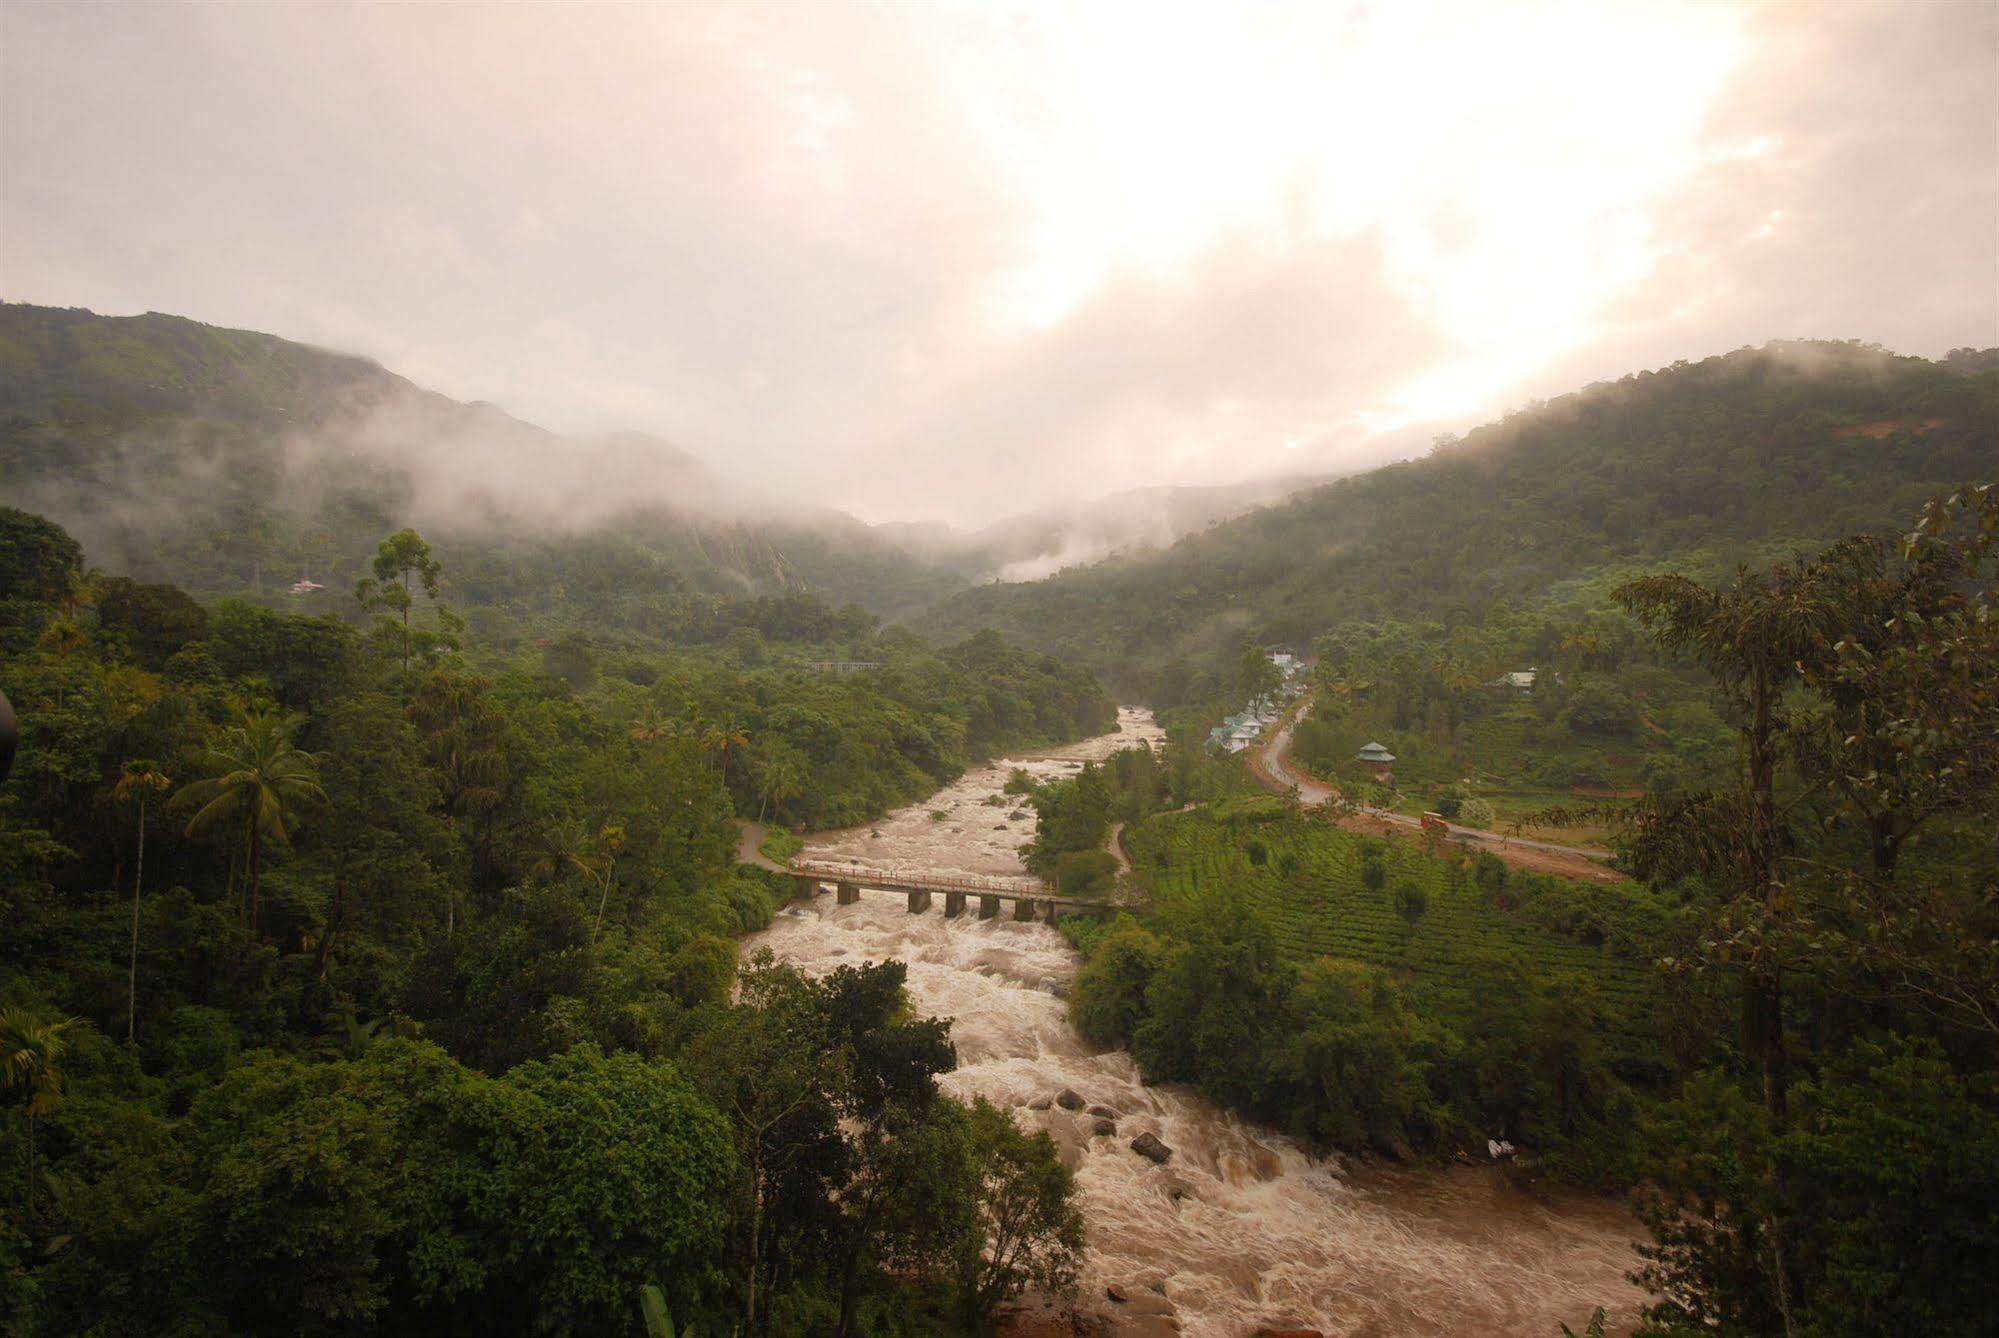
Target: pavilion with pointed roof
<point x="1380" y="763"/>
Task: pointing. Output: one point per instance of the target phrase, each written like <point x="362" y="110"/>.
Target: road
<point x="1270" y="763"/>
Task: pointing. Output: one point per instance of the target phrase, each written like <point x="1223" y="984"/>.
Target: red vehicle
<point x="1434" y="822"/>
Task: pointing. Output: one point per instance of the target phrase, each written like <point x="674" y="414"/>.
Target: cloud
<point x="955" y="260"/>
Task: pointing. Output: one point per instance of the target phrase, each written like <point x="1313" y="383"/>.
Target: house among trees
<point x="1520" y="681"/>
<point x="1380" y="763"/>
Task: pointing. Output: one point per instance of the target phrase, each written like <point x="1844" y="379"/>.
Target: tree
<point x="723" y="738"/>
<point x="402" y="564"/>
<point x="32" y="1050"/>
<point x="258" y="781"/>
<point x="620" y="1176"/>
<point x="610" y="839"/>
<point x="139" y="780"/>
<point x="1256" y="676"/>
<point x="1751" y="636"/>
<point x="769" y="1065"/>
<point x="1028" y="1232"/>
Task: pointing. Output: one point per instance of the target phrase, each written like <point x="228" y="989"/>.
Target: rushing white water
<point x="1241" y="1229"/>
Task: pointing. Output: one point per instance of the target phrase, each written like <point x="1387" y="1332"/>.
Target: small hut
<point x="1380" y="763"/>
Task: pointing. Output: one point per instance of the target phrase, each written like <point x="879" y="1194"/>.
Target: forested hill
<point x="1791" y="442"/>
<point x="232" y="462"/>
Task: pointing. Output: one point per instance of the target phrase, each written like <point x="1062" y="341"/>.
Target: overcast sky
<point x="952" y="260"/>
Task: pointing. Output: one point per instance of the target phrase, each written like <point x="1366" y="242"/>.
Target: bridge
<point x="1030" y="897"/>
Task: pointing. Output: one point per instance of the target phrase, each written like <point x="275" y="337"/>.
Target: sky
<point x="950" y="261"/>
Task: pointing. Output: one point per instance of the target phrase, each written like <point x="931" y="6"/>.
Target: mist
<point x="956" y="263"/>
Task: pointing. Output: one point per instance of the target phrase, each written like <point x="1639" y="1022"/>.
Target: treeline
<point x="1793" y="441"/>
<point x="1819" y="1152"/>
<point x="355" y="977"/>
<point x="234" y="463"/>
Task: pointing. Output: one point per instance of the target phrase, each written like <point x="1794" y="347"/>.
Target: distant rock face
<point x="1149" y="1147"/>
<point x="1069" y="1099"/>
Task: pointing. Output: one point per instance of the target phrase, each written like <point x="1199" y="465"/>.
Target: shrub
<point x="1411" y="901"/>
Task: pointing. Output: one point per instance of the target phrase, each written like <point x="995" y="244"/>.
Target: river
<point x="1241" y="1229"/>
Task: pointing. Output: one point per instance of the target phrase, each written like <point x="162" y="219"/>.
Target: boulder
<point x="1040" y="1103"/>
<point x="1103" y="1112"/>
<point x="1149" y="1147"/>
<point x="1069" y="1099"/>
<point x="1117" y="1293"/>
<point x="1104" y="1129"/>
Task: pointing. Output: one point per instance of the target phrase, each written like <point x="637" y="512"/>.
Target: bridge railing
<point x="874" y="877"/>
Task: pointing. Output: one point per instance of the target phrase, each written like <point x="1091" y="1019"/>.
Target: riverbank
<point x="1239" y="1228"/>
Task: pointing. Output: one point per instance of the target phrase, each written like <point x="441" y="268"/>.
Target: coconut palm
<point x="257" y="782"/>
<point x="723" y="738"/>
<point x="31" y="1061"/>
<point x="777" y="781"/>
<point x="563" y="847"/>
<point x="140" y="780"/>
<point x="610" y="839"/>
<point x="653" y="726"/>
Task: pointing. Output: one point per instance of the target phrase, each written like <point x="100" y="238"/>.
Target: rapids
<point x="1241" y="1229"/>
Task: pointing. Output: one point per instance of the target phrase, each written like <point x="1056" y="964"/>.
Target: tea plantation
<point x="1328" y="892"/>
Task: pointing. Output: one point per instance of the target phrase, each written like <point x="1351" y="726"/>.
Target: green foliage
<point x="1108" y="1001"/>
<point x="1709" y="458"/>
<point x="482" y="1065"/>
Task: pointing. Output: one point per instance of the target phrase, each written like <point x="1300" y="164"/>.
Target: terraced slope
<point x="1308" y="880"/>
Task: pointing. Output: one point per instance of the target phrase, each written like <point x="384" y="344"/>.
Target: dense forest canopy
<point x="232" y="462"/>
<point x="1700" y="462"/>
<point x="369" y="957"/>
<point x="358" y="976"/>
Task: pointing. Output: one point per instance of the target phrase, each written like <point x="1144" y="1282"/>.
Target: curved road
<point x="1270" y="764"/>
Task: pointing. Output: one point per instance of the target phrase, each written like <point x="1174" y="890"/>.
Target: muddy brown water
<point x="1241" y="1228"/>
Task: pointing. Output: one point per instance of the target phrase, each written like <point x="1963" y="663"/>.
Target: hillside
<point x="1709" y="460"/>
<point x="234" y="462"/>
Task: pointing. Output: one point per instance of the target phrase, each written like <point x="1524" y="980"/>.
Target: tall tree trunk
<point x="1763" y="994"/>
<point x="756" y="1254"/>
<point x="256" y="875"/>
<point x="603" y="900"/>
<point x="132" y="961"/>
<point x="334" y="916"/>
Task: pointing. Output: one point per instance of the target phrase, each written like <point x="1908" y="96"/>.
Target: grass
<point x="780" y="846"/>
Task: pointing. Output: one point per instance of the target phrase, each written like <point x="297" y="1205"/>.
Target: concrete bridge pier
<point x="988" y="905"/>
<point x="919" y="900"/>
<point x="847" y="893"/>
<point x="1052" y="911"/>
<point x="1023" y="908"/>
<point x="954" y="905"/>
<point x="804" y="889"/>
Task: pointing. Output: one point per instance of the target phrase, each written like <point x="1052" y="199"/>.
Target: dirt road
<point x="1270" y="763"/>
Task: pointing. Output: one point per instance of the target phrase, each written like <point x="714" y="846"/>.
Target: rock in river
<point x="1149" y="1147"/>
<point x="1069" y="1099"/>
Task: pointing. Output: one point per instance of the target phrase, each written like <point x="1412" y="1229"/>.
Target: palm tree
<point x="610" y="838"/>
<point x="652" y="726"/>
<point x="257" y="780"/>
<point x="778" y="781"/>
<point x="562" y="848"/>
<point x="723" y="738"/>
<point x="141" y="780"/>
<point x="31" y="1061"/>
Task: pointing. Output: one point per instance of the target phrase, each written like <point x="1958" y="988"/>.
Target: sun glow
<point x="1505" y="161"/>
